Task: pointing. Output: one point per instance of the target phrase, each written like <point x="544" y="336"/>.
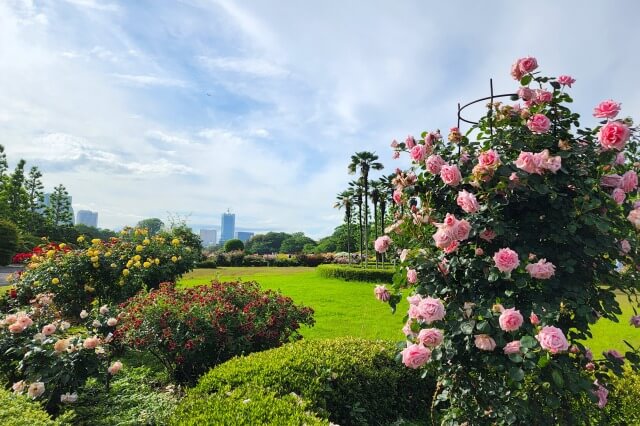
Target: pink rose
<point x="625" y="246"/>
<point x="24" y="320"/>
<point x="615" y="355"/>
<point x="629" y="181"/>
<point x="489" y="158"/>
<point x="488" y="235"/>
<point x="48" y="329"/>
<point x="397" y="196"/>
<point x="90" y="342"/>
<point x="35" y="390"/>
<point x="115" y="367"/>
<point x="430" y="337"/>
<point x="525" y="93"/>
<point x="395" y="155"/>
<point x="415" y="356"/>
<point x="443" y="267"/>
<point x="442" y="238"/>
<point x="588" y="355"/>
<point x="381" y="293"/>
<point x="601" y="392"/>
<point x="418" y="153"/>
<point x="412" y="276"/>
<point x="510" y="319"/>
<point x="620" y="159"/>
<point x="451" y="247"/>
<point x="414" y="300"/>
<point x="512" y="347"/>
<point x="543" y="96"/>
<point x="546" y="162"/>
<point x="18" y="387"/>
<point x="606" y="109"/>
<point x="515" y="71"/>
<point x="382" y="244"/>
<point x="527" y="64"/>
<point x="552" y="339"/>
<point x="112" y="322"/>
<point x="506" y="260"/>
<point x="104" y="309"/>
<point x="539" y="123"/>
<point x="434" y="163"/>
<point x="431" y="310"/>
<point x="408" y="331"/>
<point x="541" y="270"/>
<point x="16" y="328"/>
<point x="610" y="181"/>
<point x="410" y="142"/>
<point x="618" y="196"/>
<point x="464" y="157"/>
<point x="533" y="318"/>
<point x="613" y="135"/>
<point x="403" y="255"/>
<point x="450" y="175"/>
<point x="634" y="217"/>
<point x="526" y="161"/>
<point x="462" y="230"/>
<point x="566" y="80"/>
<point x="394" y="144"/>
<point x="484" y="342"/>
<point x="479" y="251"/>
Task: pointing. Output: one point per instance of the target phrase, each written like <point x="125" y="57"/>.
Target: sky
<point x="192" y="107"/>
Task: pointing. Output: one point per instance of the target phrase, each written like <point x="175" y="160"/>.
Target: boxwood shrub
<point x="346" y="380"/>
<point x="19" y="410"/>
<point x="354" y="273"/>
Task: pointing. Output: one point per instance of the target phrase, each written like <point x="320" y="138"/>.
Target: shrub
<point x="245" y="406"/>
<point x="191" y="330"/>
<point x="349" y="381"/>
<point x="353" y="273"/>
<point x="233" y="245"/>
<point x="106" y="271"/>
<point x="19" y="410"/>
<point x="254" y="260"/>
<point x="312" y="260"/>
<point x="8" y="241"/>
<point x="207" y="264"/>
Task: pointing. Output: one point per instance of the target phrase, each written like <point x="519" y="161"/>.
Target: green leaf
<point x="515" y="358"/>
<point x="557" y="378"/>
<point x="526" y="79"/>
<point x="516" y="374"/>
<point x="528" y="342"/>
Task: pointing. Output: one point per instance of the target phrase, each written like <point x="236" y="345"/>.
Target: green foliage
<point x="153" y="225"/>
<point x="90" y="232"/>
<point x="19" y="410"/>
<point x="233" y="245"/>
<point x="59" y="212"/>
<point x="355" y="273"/>
<point x="266" y="243"/>
<point x="295" y="243"/>
<point x="245" y="406"/>
<point x="349" y="381"/>
<point x="207" y="264"/>
<point x="8" y="241"/>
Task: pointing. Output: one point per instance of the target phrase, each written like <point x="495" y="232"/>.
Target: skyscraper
<point x="208" y="237"/>
<point x="227" y="227"/>
<point x="87" y="217"/>
<point x="244" y="236"/>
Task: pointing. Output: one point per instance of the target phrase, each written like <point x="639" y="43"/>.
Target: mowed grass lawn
<point x="349" y="309"/>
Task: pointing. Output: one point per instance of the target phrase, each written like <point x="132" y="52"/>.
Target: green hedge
<point x="355" y="273"/>
<point x="347" y="380"/>
<point x="8" y="241"/>
<point x="207" y="264"/>
<point x="19" y="410"/>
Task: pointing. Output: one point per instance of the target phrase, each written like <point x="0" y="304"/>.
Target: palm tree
<point x="356" y="189"/>
<point x="345" y="199"/>
<point x="375" y="199"/>
<point x="365" y="161"/>
<point x="385" y="188"/>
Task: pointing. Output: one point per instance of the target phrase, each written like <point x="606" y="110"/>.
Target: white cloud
<point x="95" y="5"/>
<point x="151" y="80"/>
<point x="254" y="66"/>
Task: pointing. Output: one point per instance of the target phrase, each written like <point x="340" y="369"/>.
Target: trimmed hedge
<point x="354" y="273"/>
<point x="347" y="380"/>
<point x="19" y="410"/>
<point x="245" y="406"/>
<point x="207" y="264"/>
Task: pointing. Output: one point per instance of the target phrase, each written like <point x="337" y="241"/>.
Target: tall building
<point x="244" y="236"/>
<point x="47" y="203"/>
<point x="208" y="237"/>
<point x="227" y="227"/>
<point x="87" y="217"/>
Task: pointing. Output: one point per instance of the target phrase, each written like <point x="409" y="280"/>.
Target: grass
<point x="349" y="308"/>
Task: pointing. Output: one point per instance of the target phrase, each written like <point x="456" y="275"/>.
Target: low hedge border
<point x="354" y="273"/>
<point x="347" y="381"/>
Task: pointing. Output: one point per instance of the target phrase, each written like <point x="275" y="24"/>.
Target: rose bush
<point x="191" y="330"/>
<point x="527" y="215"/>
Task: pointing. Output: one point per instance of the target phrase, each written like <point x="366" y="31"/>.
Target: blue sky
<point x="146" y="107"/>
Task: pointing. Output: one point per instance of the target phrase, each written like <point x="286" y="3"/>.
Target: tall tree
<point x="59" y="213"/>
<point x="375" y="200"/>
<point x="16" y="195"/>
<point x="345" y="200"/>
<point x="4" y="165"/>
<point x="365" y="161"/>
<point x="153" y="225"/>
<point x="35" y="200"/>
<point x="356" y="188"/>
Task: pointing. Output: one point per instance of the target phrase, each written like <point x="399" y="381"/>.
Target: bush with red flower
<point x="193" y="329"/>
<point x="529" y="229"/>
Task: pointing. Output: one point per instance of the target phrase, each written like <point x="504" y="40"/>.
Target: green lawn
<point x="349" y="308"/>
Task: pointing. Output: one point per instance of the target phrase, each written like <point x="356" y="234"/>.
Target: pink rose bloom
<point x="512" y="347"/>
<point x="442" y="238"/>
<point x="48" y="329"/>
<point x="552" y="339"/>
<point x="394" y="144"/>
<point x="527" y="64"/>
<point x="612" y="353"/>
<point x="636" y="204"/>
<point x="635" y="321"/>
<point x="395" y="155"/>
<point x="484" y="342"/>
<point x="450" y="221"/>
<point x="489" y="158"/>
<point x="408" y="331"/>
<point x="115" y="367"/>
<point x="590" y="366"/>
<point x="410" y="142"/>
<point x="606" y="109"/>
<point x="541" y="270"/>
<point x="506" y="260"/>
<point x="525" y="93"/>
<point x="382" y="244"/>
<point x="450" y="175"/>
<point x="16" y="328"/>
<point x="526" y="161"/>
<point x="464" y="157"/>
<point x="610" y="181"/>
<point x="629" y="181"/>
<point x="488" y="235"/>
<point x="533" y="318"/>
<point x="35" y="390"/>
<point x="415" y="356"/>
<point x="618" y="196"/>
<point x="418" y="153"/>
<point x="434" y="163"/>
<point x="543" y="96"/>
<point x="634" y="217"/>
<point x="397" y="196"/>
<point x="539" y="123"/>
<point x="430" y="337"/>
<point x="515" y="71"/>
<point x="443" y="268"/>
<point x="18" y="387"/>
<point x="510" y="319"/>
<point x="24" y="320"/>
<point x="479" y="251"/>
<point x="620" y="159"/>
<point x="513" y="177"/>
<point x="381" y="293"/>
<point x="546" y="162"/>
<point x="414" y="300"/>
<point x="104" y="310"/>
<point x="462" y="230"/>
<point x="403" y="255"/>
<point x="90" y="342"/>
<point x="566" y="80"/>
<point x="412" y="276"/>
<point x="613" y="135"/>
<point x="112" y="322"/>
<point x="451" y="247"/>
<point x="601" y="392"/>
<point x="588" y="354"/>
<point x="431" y="310"/>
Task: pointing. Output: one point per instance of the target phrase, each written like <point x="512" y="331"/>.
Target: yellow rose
<point x="108" y="253"/>
<point x="125" y="272"/>
<point x="175" y="242"/>
<point x="55" y="281"/>
<point x="137" y="257"/>
<point x="129" y="263"/>
<point x="95" y="259"/>
<point x="96" y="241"/>
<point x="146" y="264"/>
<point x="80" y="239"/>
<point x="62" y="245"/>
<point x="113" y="265"/>
<point x="51" y="253"/>
<point x="156" y="261"/>
<point x="96" y="265"/>
<point x="146" y="242"/>
<point x="139" y="248"/>
<point x="137" y="264"/>
<point x="174" y="259"/>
